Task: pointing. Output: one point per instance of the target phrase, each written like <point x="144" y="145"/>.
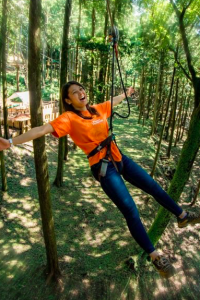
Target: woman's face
<point x="77" y="97"/>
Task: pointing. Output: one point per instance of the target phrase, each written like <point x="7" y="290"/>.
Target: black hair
<point x="69" y="107"/>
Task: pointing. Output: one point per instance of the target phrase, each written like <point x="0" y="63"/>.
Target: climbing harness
<point x="113" y="34"/>
<point x="108" y="157"/>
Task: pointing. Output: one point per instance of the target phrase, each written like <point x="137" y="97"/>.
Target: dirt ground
<point x="92" y="237"/>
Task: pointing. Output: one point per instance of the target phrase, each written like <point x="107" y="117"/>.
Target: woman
<point x="88" y="127"/>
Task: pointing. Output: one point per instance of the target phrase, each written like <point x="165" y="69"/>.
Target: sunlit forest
<point x="61" y="237"/>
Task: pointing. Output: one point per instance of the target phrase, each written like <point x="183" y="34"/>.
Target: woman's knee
<point x="130" y="210"/>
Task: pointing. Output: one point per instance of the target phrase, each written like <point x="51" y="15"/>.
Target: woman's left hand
<point x="130" y="91"/>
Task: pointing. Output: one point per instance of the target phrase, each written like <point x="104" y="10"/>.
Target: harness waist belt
<point x="103" y="144"/>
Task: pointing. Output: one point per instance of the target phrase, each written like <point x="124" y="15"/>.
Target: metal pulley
<point x="113" y="34"/>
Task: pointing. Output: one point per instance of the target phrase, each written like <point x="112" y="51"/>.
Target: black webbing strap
<point x="102" y="145"/>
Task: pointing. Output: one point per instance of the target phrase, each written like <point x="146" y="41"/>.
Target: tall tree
<point x="103" y="64"/>
<point x="2" y="162"/>
<point x="41" y="165"/>
<point x="91" y="70"/>
<point x="164" y="123"/>
<point x="4" y="85"/>
<point x="78" y="34"/>
<point x="173" y="119"/>
<point x="192" y="143"/>
<point x="4" y="60"/>
<point x="63" y="75"/>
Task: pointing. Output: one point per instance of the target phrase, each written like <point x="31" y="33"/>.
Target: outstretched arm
<point x="118" y="99"/>
<point x="32" y="134"/>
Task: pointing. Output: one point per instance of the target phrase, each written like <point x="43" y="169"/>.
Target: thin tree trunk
<point x="3" y="170"/>
<point x="66" y="148"/>
<point x="103" y="65"/>
<point x="63" y="74"/>
<point x="158" y="95"/>
<point x="4" y="60"/>
<point x="149" y="102"/>
<point x="163" y="99"/>
<point x="173" y="119"/>
<point x="77" y="43"/>
<point x="179" y="117"/>
<point x="164" y="123"/>
<point x="170" y="119"/>
<point x="141" y="99"/>
<point x="196" y="194"/>
<point x="91" y="73"/>
<point x="4" y="186"/>
<point x="41" y="165"/>
<point x="17" y="77"/>
<point x="185" y="114"/>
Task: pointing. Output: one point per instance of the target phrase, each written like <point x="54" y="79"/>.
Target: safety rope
<point x="114" y="35"/>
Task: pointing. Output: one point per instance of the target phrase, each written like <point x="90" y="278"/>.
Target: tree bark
<point x="181" y="176"/>
<point x="17" y="77"/>
<point x="191" y="145"/>
<point x="185" y="114"/>
<point x="142" y="94"/>
<point x="4" y="60"/>
<point x="196" y="194"/>
<point x="34" y="76"/>
<point x="4" y="186"/>
<point x="150" y="90"/>
<point x="164" y="123"/>
<point x="103" y="65"/>
<point x="63" y="75"/>
<point x="77" y="43"/>
<point x="91" y="87"/>
<point x="173" y="119"/>
<point x="158" y="94"/>
<point x="179" y="117"/>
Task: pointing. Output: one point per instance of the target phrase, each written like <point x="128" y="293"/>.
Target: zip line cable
<point x="114" y="36"/>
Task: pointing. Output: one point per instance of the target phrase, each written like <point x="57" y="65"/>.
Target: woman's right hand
<point x="4" y="144"/>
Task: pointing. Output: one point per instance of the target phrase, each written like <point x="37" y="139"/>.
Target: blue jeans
<point x="114" y="186"/>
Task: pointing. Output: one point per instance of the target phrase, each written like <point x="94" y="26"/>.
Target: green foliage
<point x="50" y="89"/>
<point x="93" y="44"/>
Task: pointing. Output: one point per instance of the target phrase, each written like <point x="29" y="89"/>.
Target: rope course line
<point x="114" y="37"/>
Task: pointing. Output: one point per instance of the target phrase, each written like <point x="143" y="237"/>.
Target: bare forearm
<point x="32" y="134"/>
<point x="118" y="99"/>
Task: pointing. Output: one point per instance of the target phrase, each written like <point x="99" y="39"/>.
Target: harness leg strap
<point x="103" y="168"/>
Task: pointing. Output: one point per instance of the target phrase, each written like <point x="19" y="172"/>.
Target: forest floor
<point x="92" y="237"/>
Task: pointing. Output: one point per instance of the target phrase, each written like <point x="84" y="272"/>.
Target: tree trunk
<point x="173" y="119"/>
<point x="185" y="114"/>
<point x="196" y="194"/>
<point x="3" y="169"/>
<point x="191" y="145"/>
<point x="103" y="66"/>
<point x="179" y="117"/>
<point x="170" y="119"/>
<point x="34" y="76"/>
<point x="77" y="43"/>
<point x="163" y="99"/>
<point x="164" y="123"/>
<point x="181" y="176"/>
<point x="158" y="95"/>
<point x="63" y="74"/>
<point x="4" y="60"/>
<point x="141" y="99"/>
<point x="149" y="102"/>
<point x="91" y="87"/>
<point x="17" y="77"/>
